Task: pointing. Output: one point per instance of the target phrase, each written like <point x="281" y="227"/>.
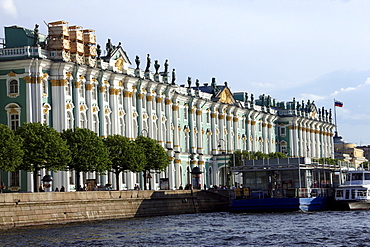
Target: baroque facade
<point x="62" y="80"/>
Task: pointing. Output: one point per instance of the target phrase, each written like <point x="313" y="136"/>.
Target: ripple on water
<point x="331" y="228"/>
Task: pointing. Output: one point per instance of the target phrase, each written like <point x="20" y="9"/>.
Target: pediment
<point x="118" y="59"/>
<point x="226" y="97"/>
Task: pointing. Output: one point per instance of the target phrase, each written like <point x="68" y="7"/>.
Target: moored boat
<point x="355" y="192"/>
<point x="289" y="184"/>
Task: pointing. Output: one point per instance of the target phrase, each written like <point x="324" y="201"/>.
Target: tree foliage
<point x="88" y="151"/>
<point x="156" y="157"/>
<point x="11" y="152"/>
<point x="239" y="156"/>
<point x="43" y="148"/>
<point x="125" y="155"/>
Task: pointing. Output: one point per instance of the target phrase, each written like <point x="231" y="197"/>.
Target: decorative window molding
<point x="12" y="85"/>
<point x="13" y="111"/>
<point x="70" y="120"/>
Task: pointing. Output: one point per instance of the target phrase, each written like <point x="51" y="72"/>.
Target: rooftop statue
<point x="109" y="48"/>
<point x="173" y="77"/>
<point x="137" y="61"/>
<point x="226" y="84"/>
<point x="166" y="68"/>
<point x="36" y="35"/>
<point x="98" y="51"/>
<point x="197" y="83"/>
<point x="252" y="98"/>
<point x="189" y="81"/>
<point x="246" y="97"/>
<point x="148" y="61"/>
<point x="268" y="101"/>
<point x="293" y="104"/>
<point x="214" y="86"/>
<point x="156" y="66"/>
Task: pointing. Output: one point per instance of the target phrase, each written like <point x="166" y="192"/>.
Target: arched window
<point x="13" y="111"/>
<point x="95" y="124"/>
<point x="82" y="121"/>
<point x="13" y="87"/>
<point x="69" y="120"/>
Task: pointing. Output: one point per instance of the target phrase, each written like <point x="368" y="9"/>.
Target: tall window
<point x="68" y="88"/>
<point x="93" y="92"/>
<point x="95" y="124"/>
<point x="44" y="87"/>
<point x="105" y="96"/>
<point x="81" y="90"/>
<point x="14" y="121"/>
<point x="107" y="126"/>
<point x="282" y="131"/>
<point x="82" y="121"/>
<point x="185" y="113"/>
<point x="208" y="117"/>
<point x="69" y="120"/>
<point x="13" y="87"/>
<point x="186" y="141"/>
<point x="120" y="97"/>
<point x="122" y="126"/>
<point x="14" y="178"/>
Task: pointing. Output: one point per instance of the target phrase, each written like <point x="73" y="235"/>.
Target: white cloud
<point x="312" y="97"/>
<point x="349" y="89"/>
<point x="263" y="85"/>
<point x="9" y="7"/>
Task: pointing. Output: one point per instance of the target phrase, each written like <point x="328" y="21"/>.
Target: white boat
<point x="355" y="192"/>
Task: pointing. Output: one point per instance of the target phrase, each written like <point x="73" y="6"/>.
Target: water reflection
<point x="347" y="228"/>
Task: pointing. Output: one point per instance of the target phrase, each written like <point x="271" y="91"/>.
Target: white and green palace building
<point x="62" y="80"/>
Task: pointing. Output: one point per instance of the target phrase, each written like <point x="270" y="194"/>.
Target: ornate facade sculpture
<point x="173" y="79"/>
<point x="148" y="62"/>
<point x="165" y="72"/>
<point x="137" y="61"/>
<point x="156" y="66"/>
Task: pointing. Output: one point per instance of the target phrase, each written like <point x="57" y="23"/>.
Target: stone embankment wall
<point x="27" y="209"/>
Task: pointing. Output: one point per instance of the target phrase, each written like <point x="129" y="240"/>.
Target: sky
<point x="308" y="49"/>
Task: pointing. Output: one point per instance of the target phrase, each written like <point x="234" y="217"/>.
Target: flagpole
<point x="335" y="119"/>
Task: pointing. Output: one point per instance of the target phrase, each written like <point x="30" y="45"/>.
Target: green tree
<point x="88" y="151"/>
<point x="277" y="155"/>
<point x="11" y="152"/>
<point x="125" y="155"/>
<point x="156" y="156"/>
<point x="43" y="148"/>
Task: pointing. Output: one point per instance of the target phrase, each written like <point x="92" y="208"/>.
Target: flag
<point x="338" y="103"/>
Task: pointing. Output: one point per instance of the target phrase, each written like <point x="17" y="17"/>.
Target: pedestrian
<point x="56" y="189"/>
<point x="62" y="189"/>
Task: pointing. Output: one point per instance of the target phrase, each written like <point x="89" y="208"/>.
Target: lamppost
<point x="224" y="152"/>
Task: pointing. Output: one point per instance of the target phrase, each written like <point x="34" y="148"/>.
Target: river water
<point x="330" y="228"/>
